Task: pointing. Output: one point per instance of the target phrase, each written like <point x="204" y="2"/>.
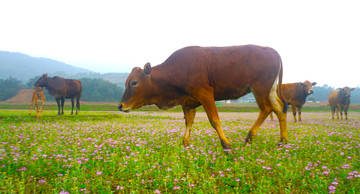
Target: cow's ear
<point x="301" y="84"/>
<point x="147" y="68"/>
<point x="352" y="89"/>
<point x="314" y="83"/>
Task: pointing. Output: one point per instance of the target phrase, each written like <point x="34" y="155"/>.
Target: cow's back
<point x="230" y="71"/>
<point x="73" y="88"/>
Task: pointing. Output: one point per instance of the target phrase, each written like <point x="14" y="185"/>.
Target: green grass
<point x="142" y="152"/>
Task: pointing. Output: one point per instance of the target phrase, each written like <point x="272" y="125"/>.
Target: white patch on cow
<point x="274" y="98"/>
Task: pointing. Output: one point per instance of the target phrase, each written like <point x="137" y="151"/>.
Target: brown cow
<point x="61" y="89"/>
<point x="339" y="100"/>
<point x="38" y="98"/>
<point x="295" y="94"/>
<point x="195" y="76"/>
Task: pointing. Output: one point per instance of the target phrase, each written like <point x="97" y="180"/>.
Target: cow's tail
<point x="279" y="89"/>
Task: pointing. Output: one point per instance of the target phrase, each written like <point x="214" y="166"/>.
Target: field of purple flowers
<point x="111" y="152"/>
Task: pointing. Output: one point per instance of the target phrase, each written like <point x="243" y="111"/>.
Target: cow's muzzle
<point x="121" y="108"/>
<point x="311" y="92"/>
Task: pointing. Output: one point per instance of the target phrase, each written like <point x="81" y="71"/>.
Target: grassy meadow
<point x="142" y="152"/>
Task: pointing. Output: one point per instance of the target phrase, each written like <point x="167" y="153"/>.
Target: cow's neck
<point x="167" y="93"/>
<point x="51" y="87"/>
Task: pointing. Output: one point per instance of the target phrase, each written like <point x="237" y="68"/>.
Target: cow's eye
<point x="134" y="83"/>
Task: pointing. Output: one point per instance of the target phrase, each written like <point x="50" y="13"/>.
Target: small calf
<point x="38" y="98"/>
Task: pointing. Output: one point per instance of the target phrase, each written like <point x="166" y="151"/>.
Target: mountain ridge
<point x="23" y="67"/>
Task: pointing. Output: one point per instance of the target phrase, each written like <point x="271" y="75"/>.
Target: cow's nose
<point x="311" y="91"/>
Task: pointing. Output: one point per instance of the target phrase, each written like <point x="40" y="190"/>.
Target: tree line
<point x="94" y="89"/>
<point x="321" y="94"/>
<point x="99" y="90"/>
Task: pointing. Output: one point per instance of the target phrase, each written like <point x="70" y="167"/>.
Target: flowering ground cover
<point x="112" y="152"/>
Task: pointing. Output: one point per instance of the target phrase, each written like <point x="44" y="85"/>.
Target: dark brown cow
<point x="38" y="98"/>
<point x="61" y="89"/>
<point x="195" y="76"/>
<point x="339" y="100"/>
<point x="295" y="94"/>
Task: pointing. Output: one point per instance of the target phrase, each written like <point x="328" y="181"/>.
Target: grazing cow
<point x="339" y="100"/>
<point x="61" y="89"/>
<point x="38" y="98"/>
<point x="295" y="94"/>
<point x="194" y="76"/>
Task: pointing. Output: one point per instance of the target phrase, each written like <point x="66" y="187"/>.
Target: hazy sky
<point x="318" y="40"/>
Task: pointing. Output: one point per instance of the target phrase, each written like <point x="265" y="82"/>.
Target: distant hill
<point x="24" y="67"/>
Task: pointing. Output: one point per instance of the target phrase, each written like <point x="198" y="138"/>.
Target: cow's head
<point x="38" y="89"/>
<point x="307" y="86"/>
<point x="346" y="91"/>
<point x="137" y="89"/>
<point x="42" y="81"/>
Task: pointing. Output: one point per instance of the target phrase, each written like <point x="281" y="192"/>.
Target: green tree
<point x="9" y="88"/>
<point x="321" y="93"/>
<point x="31" y="82"/>
<point x="99" y="90"/>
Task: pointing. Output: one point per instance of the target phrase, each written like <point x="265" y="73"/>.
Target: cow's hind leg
<point x="299" y="112"/>
<point x="279" y="107"/>
<point x="189" y="115"/>
<point x="267" y="103"/>
<point x="77" y="104"/>
<point x="265" y="107"/>
<point x="264" y="112"/>
<point x="72" y="106"/>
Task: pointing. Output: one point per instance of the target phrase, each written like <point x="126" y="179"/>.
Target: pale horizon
<point x="317" y="40"/>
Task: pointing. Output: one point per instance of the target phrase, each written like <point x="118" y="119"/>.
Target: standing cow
<point x="61" y="89"/>
<point x="339" y="100"/>
<point x="295" y="94"/>
<point x="195" y="76"/>
<point x="38" y="98"/>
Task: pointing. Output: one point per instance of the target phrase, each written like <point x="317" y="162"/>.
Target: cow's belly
<point x="230" y="93"/>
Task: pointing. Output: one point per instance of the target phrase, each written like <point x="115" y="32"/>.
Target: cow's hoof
<point x="227" y="147"/>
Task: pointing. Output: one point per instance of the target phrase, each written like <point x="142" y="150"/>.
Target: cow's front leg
<point x="37" y="110"/>
<point x="206" y="98"/>
<point x="189" y="115"/>
<point x="62" y="105"/>
<point x="58" y="103"/>
<point x="293" y="107"/>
